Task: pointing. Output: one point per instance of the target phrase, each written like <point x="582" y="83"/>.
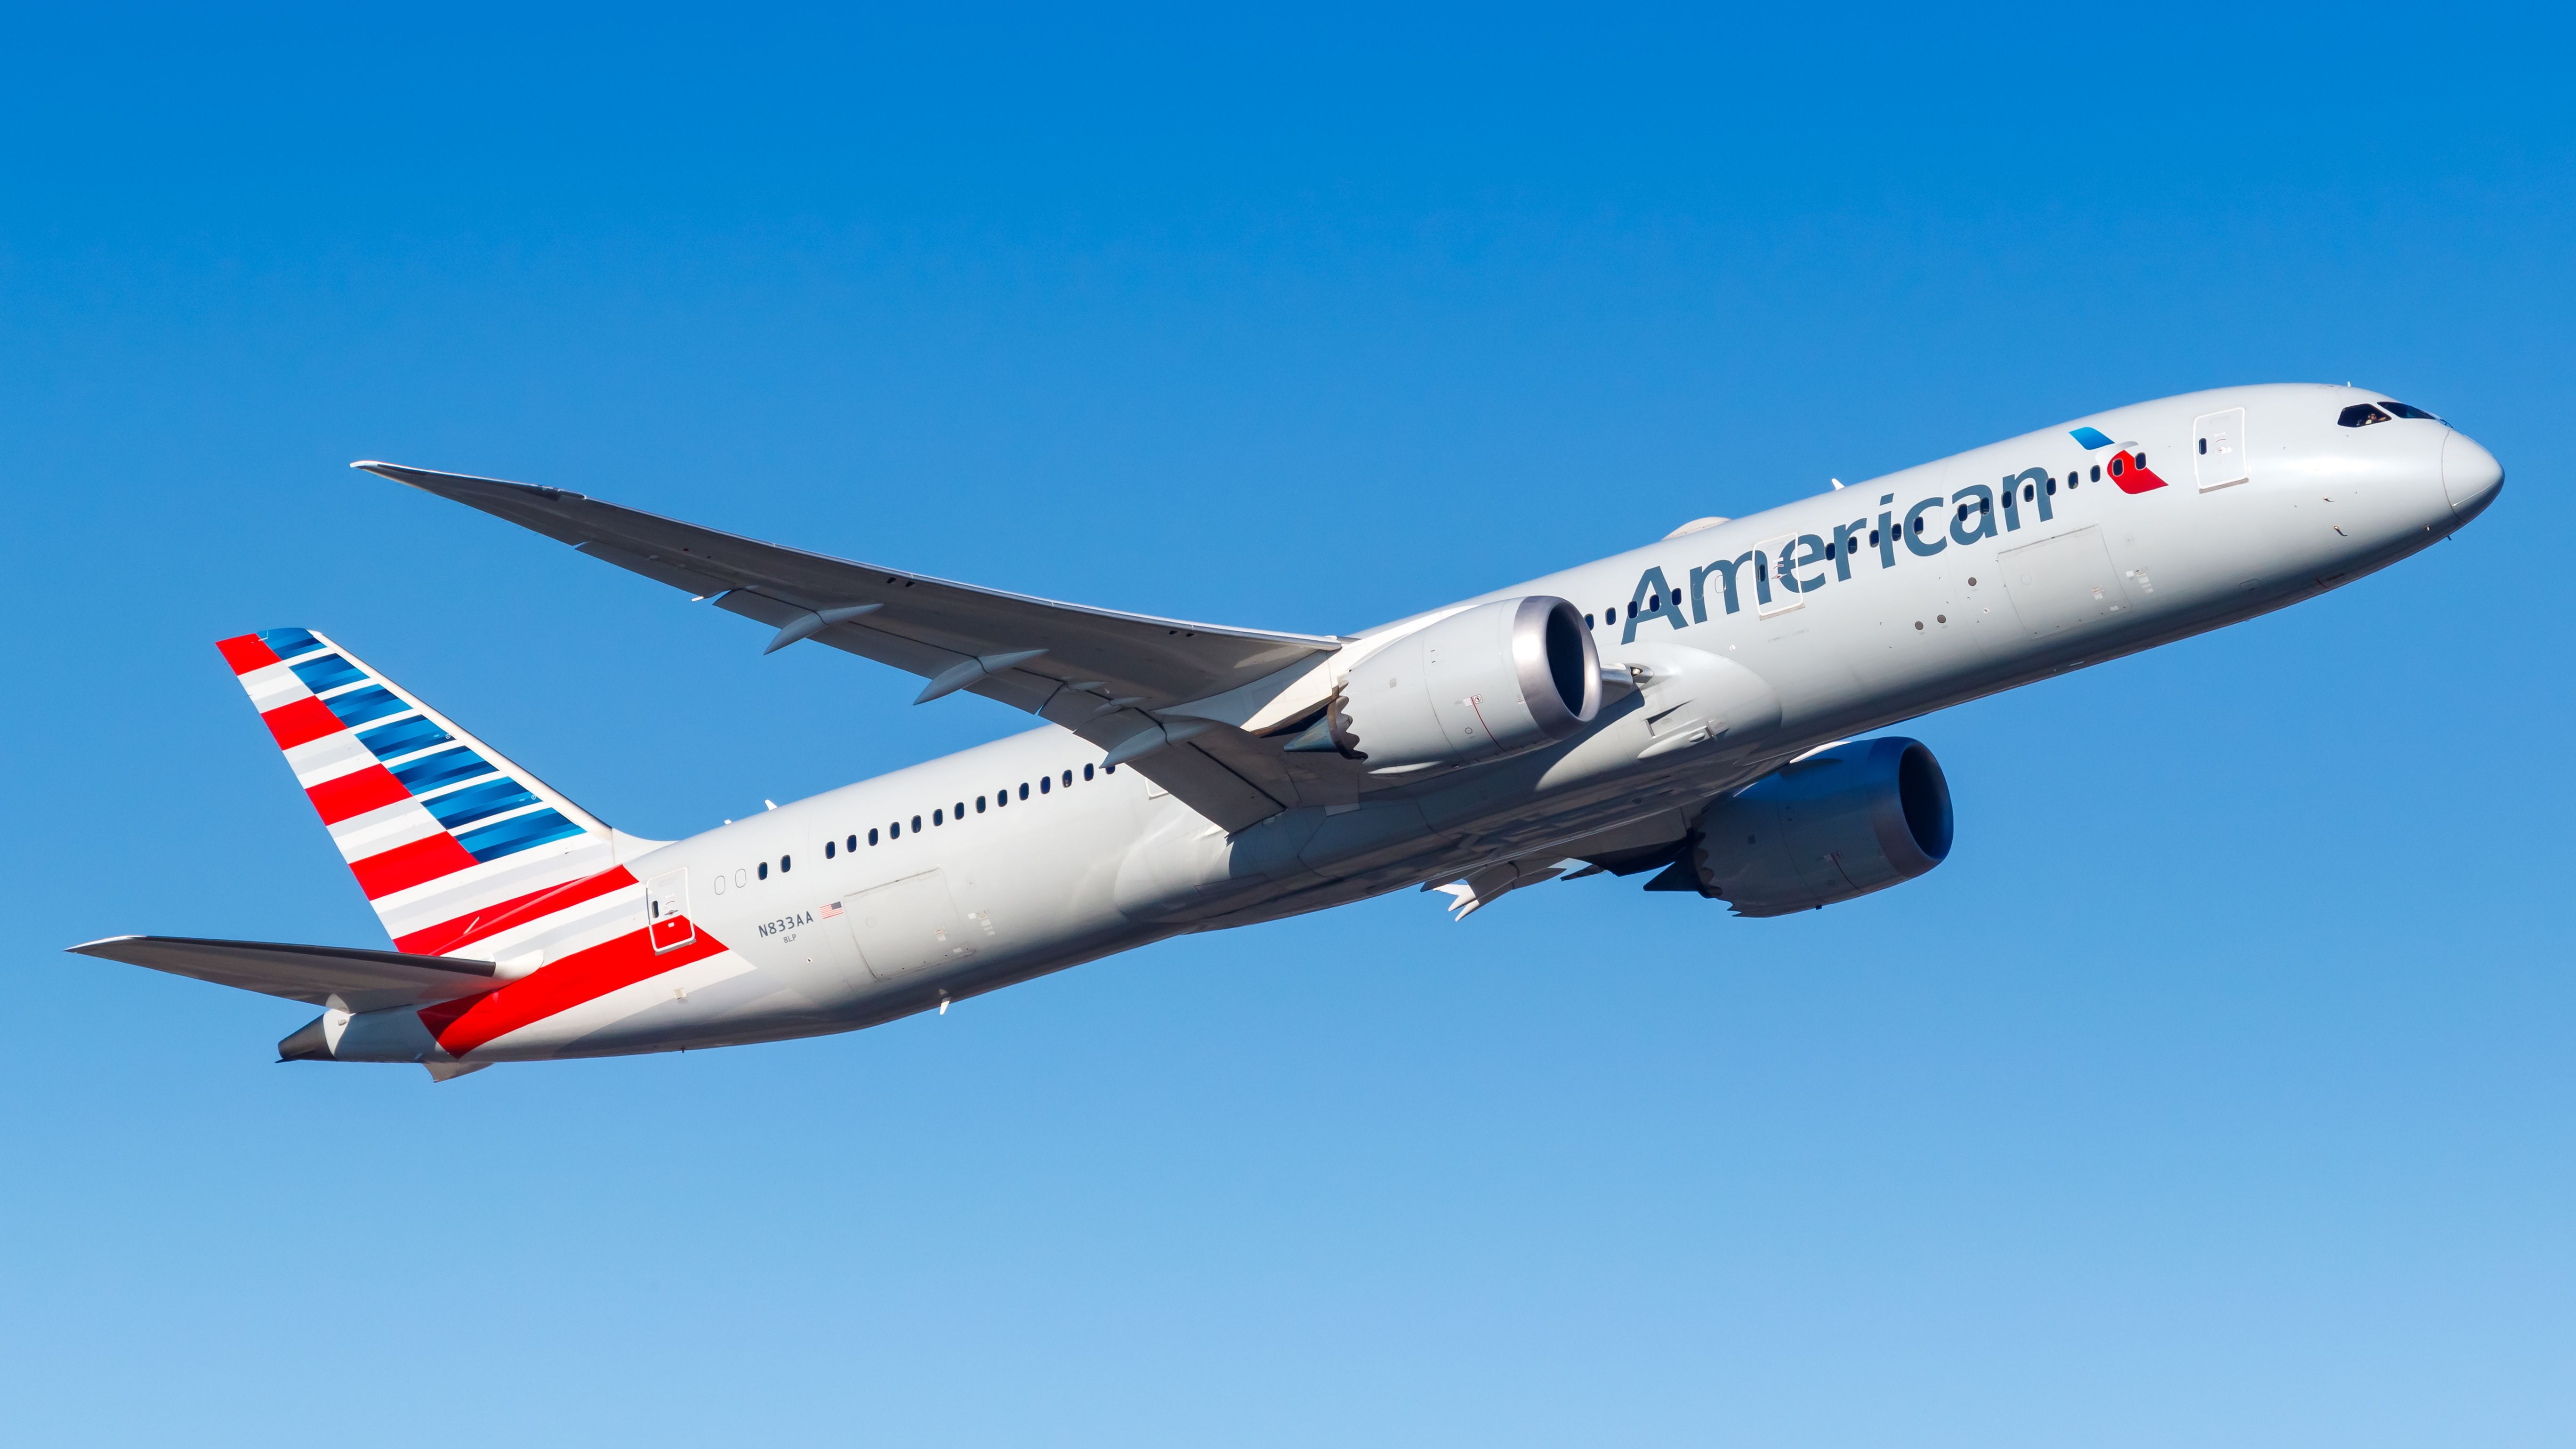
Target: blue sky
<point x="2217" y="1090"/>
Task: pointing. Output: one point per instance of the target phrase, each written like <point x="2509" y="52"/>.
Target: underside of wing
<point x="931" y="627"/>
<point x="320" y="975"/>
<point x="1103" y="674"/>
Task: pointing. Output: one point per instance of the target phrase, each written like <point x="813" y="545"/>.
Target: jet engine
<point x="1489" y="681"/>
<point x="1840" y="823"/>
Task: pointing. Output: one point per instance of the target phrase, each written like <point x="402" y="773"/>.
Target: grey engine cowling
<point x="1841" y="823"/>
<point x="1493" y="680"/>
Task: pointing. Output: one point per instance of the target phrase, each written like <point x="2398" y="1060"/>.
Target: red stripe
<point x="306" y="719"/>
<point x="406" y="866"/>
<point x="372" y="788"/>
<point x="461" y="1026"/>
<point x="246" y="653"/>
<point x="443" y="938"/>
<point x="2132" y="475"/>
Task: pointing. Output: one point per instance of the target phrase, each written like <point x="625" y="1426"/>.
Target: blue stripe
<point x="444" y="768"/>
<point x="289" y="642"/>
<point x="474" y="802"/>
<point x="361" y="705"/>
<point x="519" y="832"/>
<point x="404" y="736"/>
<point x="325" y="672"/>
<point x="2090" y="437"/>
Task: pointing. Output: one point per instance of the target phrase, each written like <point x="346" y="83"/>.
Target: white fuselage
<point x="821" y="935"/>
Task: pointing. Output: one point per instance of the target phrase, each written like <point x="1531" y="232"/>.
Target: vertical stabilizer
<point x="449" y="840"/>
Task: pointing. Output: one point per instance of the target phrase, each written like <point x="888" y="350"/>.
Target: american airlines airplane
<point x="1685" y="711"/>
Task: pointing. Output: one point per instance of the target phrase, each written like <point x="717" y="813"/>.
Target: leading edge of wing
<point x="550" y="511"/>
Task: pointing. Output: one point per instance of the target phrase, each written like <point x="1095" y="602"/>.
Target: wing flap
<point x="320" y="975"/>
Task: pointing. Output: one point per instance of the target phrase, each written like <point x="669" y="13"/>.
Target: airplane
<point x="1692" y="711"/>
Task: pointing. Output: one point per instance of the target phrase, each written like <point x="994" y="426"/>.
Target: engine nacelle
<point x="1489" y="681"/>
<point x="1840" y="823"/>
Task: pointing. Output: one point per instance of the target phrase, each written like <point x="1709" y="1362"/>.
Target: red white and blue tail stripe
<point x="449" y="840"/>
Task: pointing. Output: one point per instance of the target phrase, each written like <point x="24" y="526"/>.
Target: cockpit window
<point x="2405" y="411"/>
<point x="2360" y="415"/>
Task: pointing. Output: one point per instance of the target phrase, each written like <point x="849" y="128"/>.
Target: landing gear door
<point x="666" y="911"/>
<point x="2218" y="449"/>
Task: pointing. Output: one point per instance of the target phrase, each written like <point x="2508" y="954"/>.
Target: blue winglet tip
<point x="2090" y="437"/>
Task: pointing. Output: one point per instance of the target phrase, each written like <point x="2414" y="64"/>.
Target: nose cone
<point x="2470" y="476"/>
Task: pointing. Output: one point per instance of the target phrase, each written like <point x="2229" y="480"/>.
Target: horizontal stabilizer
<point x="322" y="975"/>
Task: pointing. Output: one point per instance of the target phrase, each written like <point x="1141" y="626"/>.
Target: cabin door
<point x="2218" y="449"/>
<point x="666" y="912"/>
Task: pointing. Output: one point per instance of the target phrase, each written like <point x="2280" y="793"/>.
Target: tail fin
<point x="445" y="836"/>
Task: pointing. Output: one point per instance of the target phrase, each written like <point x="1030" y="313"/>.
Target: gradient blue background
<point x="2217" y="1091"/>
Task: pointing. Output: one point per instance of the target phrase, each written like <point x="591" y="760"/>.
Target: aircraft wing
<point x="321" y="975"/>
<point x="1098" y="672"/>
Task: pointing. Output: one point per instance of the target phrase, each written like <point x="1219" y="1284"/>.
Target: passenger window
<point x="934" y="818"/>
<point x="1109" y="769"/>
<point x="786" y="863"/>
<point x="979" y="804"/>
<point x="1588" y="624"/>
<point x="1024" y="789"/>
<point x="1044" y="784"/>
<point x="827" y="850"/>
<point x="872" y="835"/>
<point x="764" y="870"/>
<point x="958" y="810"/>
<point x="2360" y="415"/>
<point x="2403" y="411"/>
<point x="1002" y="797"/>
<point x="1068" y="777"/>
<point x="1086" y="772"/>
<point x="739" y="879"/>
<point x="2115" y="467"/>
<point x="2097" y="472"/>
<point x="916" y="825"/>
<point x="854" y="841"/>
<point x="1610" y="615"/>
<point x="895" y="831"/>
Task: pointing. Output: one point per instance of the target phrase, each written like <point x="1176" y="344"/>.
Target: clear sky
<point x="2217" y="1091"/>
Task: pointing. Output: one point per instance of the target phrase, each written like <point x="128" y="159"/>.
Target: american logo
<point x="1779" y="570"/>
